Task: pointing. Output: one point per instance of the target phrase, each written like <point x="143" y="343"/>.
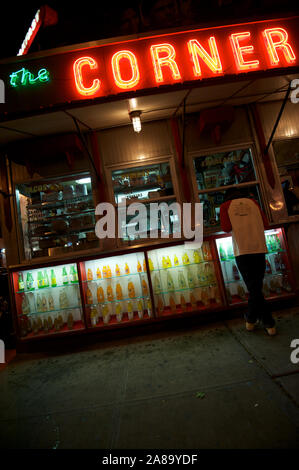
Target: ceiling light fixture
<point x="135" y="118"/>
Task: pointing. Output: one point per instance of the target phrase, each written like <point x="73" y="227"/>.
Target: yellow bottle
<point x="105" y="313"/>
<point x="109" y="273"/>
<point x="172" y="304"/>
<point x="168" y="262"/>
<point x="119" y="292"/>
<point x="151" y="266"/>
<point x="110" y="295"/>
<point x="117" y="270"/>
<point x="176" y="260"/>
<point x="144" y="287"/>
<point x="185" y="258"/>
<point x="130" y="311"/>
<point x="104" y="272"/>
<point x="89" y="275"/>
<point x="131" y="290"/>
<point x="99" y="274"/>
<point x="139" y="267"/>
<point x="127" y="269"/>
<point x="144" y="265"/>
<point x="164" y="262"/>
<point x="196" y="256"/>
<point x="149" y="307"/>
<point x="89" y="297"/>
<point x="100" y="294"/>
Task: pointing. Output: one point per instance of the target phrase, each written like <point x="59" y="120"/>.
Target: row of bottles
<point x="106" y="272"/>
<point x="46" y="323"/>
<point x="198" y="257"/>
<point x="273" y="243"/>
<point x="106" y="312"/>
<point x="45" y="302"/>
<point x="204" y="275"/>
<point x="43" y="280"/>
<point x="110" y="295"/>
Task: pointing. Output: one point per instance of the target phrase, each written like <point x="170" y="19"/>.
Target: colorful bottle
<point x="93" y="317"/>
<point x="205" y="296"/>
<point x="99" y="274"/>
<point x="157" y="284"/>
<point x="117" y="270"/>
<point x="105" y="272"/>
<point x="182" y="281"/>
<point x="40" y="280"/>
<point x="197" y="257"/>
<point x="127" y="269"/>
<point x="160" y="306"/>
<point x="144" y="287"/>
<point x="51" y="302"/>
<point x="230" y="252"/>
<point x="38" y="303"/>
<point x="65" y="278"/>
<point x="130" y="311"/>
<point x="89" y="297"/>
<point x="73" y="274"/>
<point x="20" y="282"/>
<point x="100" y="294"/>
<point x="139" y="267"/>
<point x="46" y="279"/>
<point x="105" y="314"/>
<point x="109" y="273"/>
<point x="170" y="284"/>
<point x="206" y="251"/>
<point x="168" y="261"/>
<point x="119" y="292"/>
<point x="151" y="266"/>
<point x="164" y="262"/>
<point x="176" y="261"/>
<point x="29" y="282"/>
<point x="185" y="259"/>
<point x="44" y="304"/>
<point x="268" y="267"/>
<point x="222" y="253"/>
<point x="53" y="278"/>
<point x="144" y="264"/>
<point x="190" y="279"/>
<point x="131" y="290"/>
<point x="110" y="295"/>
<point x="140" y="309"/>
<point x="149" y="307"/>
<point x="118" y="312"/>
<point x="172" y="304"/>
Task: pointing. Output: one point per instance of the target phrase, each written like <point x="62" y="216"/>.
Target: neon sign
<point x="23" y="77"/>
<point x="32" y="32"/>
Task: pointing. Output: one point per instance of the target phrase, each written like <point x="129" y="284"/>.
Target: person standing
<point x="243" y="217"/>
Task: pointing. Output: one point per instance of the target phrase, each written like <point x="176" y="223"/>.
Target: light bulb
<point x="136" y="123"/>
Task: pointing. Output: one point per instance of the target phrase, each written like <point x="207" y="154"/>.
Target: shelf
<point x="46" y="204"/>
<point x="42" y="289"/>
<point x="115" y="277"/>
<point x="130" y="189"/>
<point x="65" y="233"/>
<point x="183" y="265"/>
<point x="266" y="275"/>
<point x="48" y="312"/>
<point x="71" y="214"/>
<point x="116" y="301"/>
<point x="234" y="259"/>
<point x="211" y="284"/>
<point x="78" y="325"/>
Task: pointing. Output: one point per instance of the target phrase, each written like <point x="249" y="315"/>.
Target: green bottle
<point x="29" y="282"/>
<point x="21" y="282"/>
<point x="65" y="279"/>
<point x="40" y="280"/>
<point x="53" y="278"/>
<point x="222" y="253"/>
<point x="46" y="279"/>
<point x="73" y="274"/>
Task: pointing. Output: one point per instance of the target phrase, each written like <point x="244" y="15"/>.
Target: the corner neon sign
<point x="23" y="77"/>
<point x="182" y="59"/>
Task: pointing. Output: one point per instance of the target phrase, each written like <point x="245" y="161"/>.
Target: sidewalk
<point x="215" y="386"/>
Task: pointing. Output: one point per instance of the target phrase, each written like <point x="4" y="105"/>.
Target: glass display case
<point x="48" y="300"/>
<point x="116" y="289"/>
<point x="56" y="215"/>
<point x="183" y="279"/>
<point x="144" y="182"/>
<point x="277" y="280"/>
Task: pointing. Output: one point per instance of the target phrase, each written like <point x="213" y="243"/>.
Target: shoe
<point x="250" y="326"/>
<point x="271" y="331"/>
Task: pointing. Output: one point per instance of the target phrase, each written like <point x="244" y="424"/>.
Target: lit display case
<point x="56" y="215"/>
<point x="116" y="289"/>
<point x="184" y="279"/>
<point x="278" y="276"/>
<point x="48" y="300"/>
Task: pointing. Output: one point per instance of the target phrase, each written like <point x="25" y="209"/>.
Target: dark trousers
<point x="252" y="268"/>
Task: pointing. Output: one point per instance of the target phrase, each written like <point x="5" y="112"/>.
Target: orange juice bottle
<point x="131" y="290"/>
<point x="139" y="267"/>
<point x="144" y="265"/>
<point x="109" y="273"/>
<point x="127" y="269"/>
<point x="110" y="295"/>
<point x="89" y="275"/>
<point x="99" y="274"/>
<point x="89" y="297"/>
<point x="144" y="287"/>
<point x="119" y="292"/>
<point x="100" y="294"/>
<point x="117" y="270"/>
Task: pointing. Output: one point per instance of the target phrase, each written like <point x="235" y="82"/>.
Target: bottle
<point x="105" y="272"/>
<point x="51" y="302"/>
<point x="50" y="322"/>
<point x="205" y="296"/>
<point x="157" y="285"/>
<point x="119" y="292"/>
<point x="89" y="275"/>
<point x="110" y="295"/>
<point x="277" y="263"/>
<point x="196" y="256"/>
<point x="164" y="262"/>
<point x="160" y="306"/>
<point x="139" y="267"/>
<point x="53" y="279"/>
<point x="268" y="267"/>
<point x="99" y="274"/>
<point x="117" y="270"/>
<point x="170" y="284"/>
<point x="222" y="253"/>
<point x="118" y="312"/>
<point x="100" y="294"/>
<point x="172" y="304"/>
<point x="127" y="269"/>
<point x="185" y="259"/>
<point x="40" y="280"/>
<point x="29" y="282"/>
<point x="182" y="280"/>
<point x="106" y="315"/>
<point x="65" y="278"/>
<point x="140" y="309"/>
<point x="183" y="303"/>
<point x="168" y="261"/>
<point x="144" y="287"/>
<point x="93" y="317"/>
<point x="278" y="244"/>
<point x="70" y="321"/>
<point x="44" y="303"/>
<point x="89" y="297"/>
<point x="45" y="325"/>
<point x="241" y="292"/>
<point x="151" y="266"/>
<point x="109" y="273"/>
<point x="73" y="274"/>
<point x="38" y="303"/>
<point x="236" y="274"/>
<point x="131" y="290"/>
<point x="206" y="251"/>
<point x="25" y="305"/>
<point x="63" y="299"/>
<point x="176" y="261"/>
<point x="144" y="264"/>
<point x="201" y="275"/>
<point x="190" y="279"/>
<point x="46" y="279"/>
<point x="130" y="311"/>
<point x="20" y="282"/>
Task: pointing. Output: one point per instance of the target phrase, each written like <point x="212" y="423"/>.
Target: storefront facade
<point x="209" y="99"/>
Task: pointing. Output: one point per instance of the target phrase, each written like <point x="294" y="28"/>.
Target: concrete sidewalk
<point x="209" y="387"/>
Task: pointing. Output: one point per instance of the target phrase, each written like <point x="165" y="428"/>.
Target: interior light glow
<point x="213" y="61"/>
<point x="83" y="181"/>
<point x="167" y="60"/>
<point x="136" y="123"/>
<point x="115" y="62"/>
<point x="240" y="51"/>
<point x="276" y="40"/>
<point x="78" y="74"/>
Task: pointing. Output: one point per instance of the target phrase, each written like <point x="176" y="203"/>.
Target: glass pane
<point x="212" y="202"/>
<point x="287" y="159"/>
<point x="56" y="215"/>
<point x="142" y="182"/>
<point x="224" y="168"/>
<point x="165" y="223"/>
<point x="48" y="300"/>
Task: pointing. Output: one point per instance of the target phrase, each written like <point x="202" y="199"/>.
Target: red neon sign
<point x="119" y="80"/>
<point x="241" y="51"/>
<point x="276" y="41"/>
<point x="78" y="75"/>
<point x="163" y="55"/>
<point x="197" y="52"/>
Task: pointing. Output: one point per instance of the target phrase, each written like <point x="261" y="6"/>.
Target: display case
<point x="278" y="275"/>
<point x="116" y="289"/>
<point x="48" y="300"/>
<point x="56" y="215"/>
<point x="184" y="279"/>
